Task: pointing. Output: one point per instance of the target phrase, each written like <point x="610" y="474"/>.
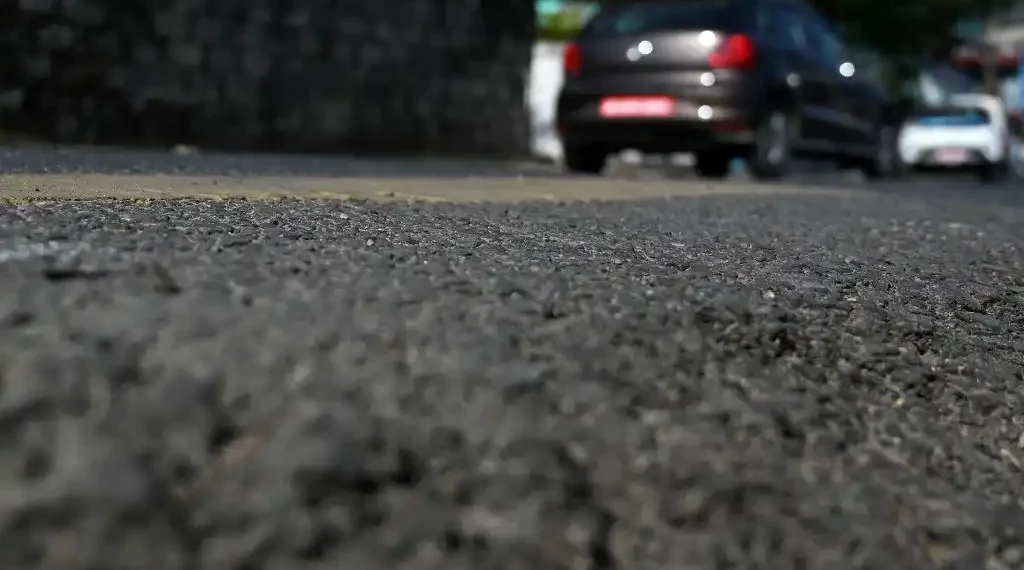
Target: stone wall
<point x="368" y="76"/>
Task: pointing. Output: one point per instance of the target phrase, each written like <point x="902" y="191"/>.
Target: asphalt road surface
<point x="716" y="376"/>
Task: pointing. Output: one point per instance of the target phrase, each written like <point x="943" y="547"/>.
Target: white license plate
<point x="951" y="156"/>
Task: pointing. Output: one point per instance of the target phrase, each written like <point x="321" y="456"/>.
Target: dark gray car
<point x="766" y="80"/>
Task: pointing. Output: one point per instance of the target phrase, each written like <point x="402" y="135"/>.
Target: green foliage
<point x="904" y="27"/>
<point x="903" y="32"/>
<point x="562" y="25"/>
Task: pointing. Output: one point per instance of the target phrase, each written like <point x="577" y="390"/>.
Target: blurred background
<point x="386" y="77"/>
<point x="923" y="50"/>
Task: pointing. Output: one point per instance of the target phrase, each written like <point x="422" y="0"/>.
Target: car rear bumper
<point x="678" y="134"/>
<point x="704" y="117"/>
<point x="926" y="159"/>
<point x="919" y="145"/>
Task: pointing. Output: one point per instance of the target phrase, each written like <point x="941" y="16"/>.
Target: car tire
<point x="712" y="164"/>
<point x="993" y="172"/>
<point x="585" y="159"/>
<point x="773" y="137"/>
<point x="885" y="161"/>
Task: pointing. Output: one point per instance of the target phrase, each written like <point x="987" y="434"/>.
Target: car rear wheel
<point x="585" y="159"/>
<point x="773" y="137"/>
<point x="993" y="172"/>
<point x="712" y="164"/>
<point x="885" y="161"/>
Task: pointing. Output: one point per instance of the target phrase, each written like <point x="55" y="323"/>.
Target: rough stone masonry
<point x="372" y="76"/>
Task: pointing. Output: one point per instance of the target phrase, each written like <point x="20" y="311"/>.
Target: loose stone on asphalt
<point x="759" y="382"/>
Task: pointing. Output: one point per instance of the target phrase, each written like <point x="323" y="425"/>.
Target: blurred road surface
<point x="554" y="373"/>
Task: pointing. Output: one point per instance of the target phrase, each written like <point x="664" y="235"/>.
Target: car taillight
<point x="736" y="51"/>
<point x="571" y="58"/>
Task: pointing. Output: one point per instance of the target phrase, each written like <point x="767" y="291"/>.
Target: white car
<point x="970" y="132"/>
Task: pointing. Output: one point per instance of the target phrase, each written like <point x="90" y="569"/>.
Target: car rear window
<point x="630" y="18"/>
<point x="952" y="116"/>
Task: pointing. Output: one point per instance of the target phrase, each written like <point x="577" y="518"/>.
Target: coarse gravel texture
<point x="714" y="382"/>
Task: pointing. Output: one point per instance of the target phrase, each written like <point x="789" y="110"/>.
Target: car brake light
<point x="736" y="51"/>
<point x="571" y="58"/>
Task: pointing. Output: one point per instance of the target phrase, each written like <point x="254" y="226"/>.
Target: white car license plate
<point x="951" y="156"/>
